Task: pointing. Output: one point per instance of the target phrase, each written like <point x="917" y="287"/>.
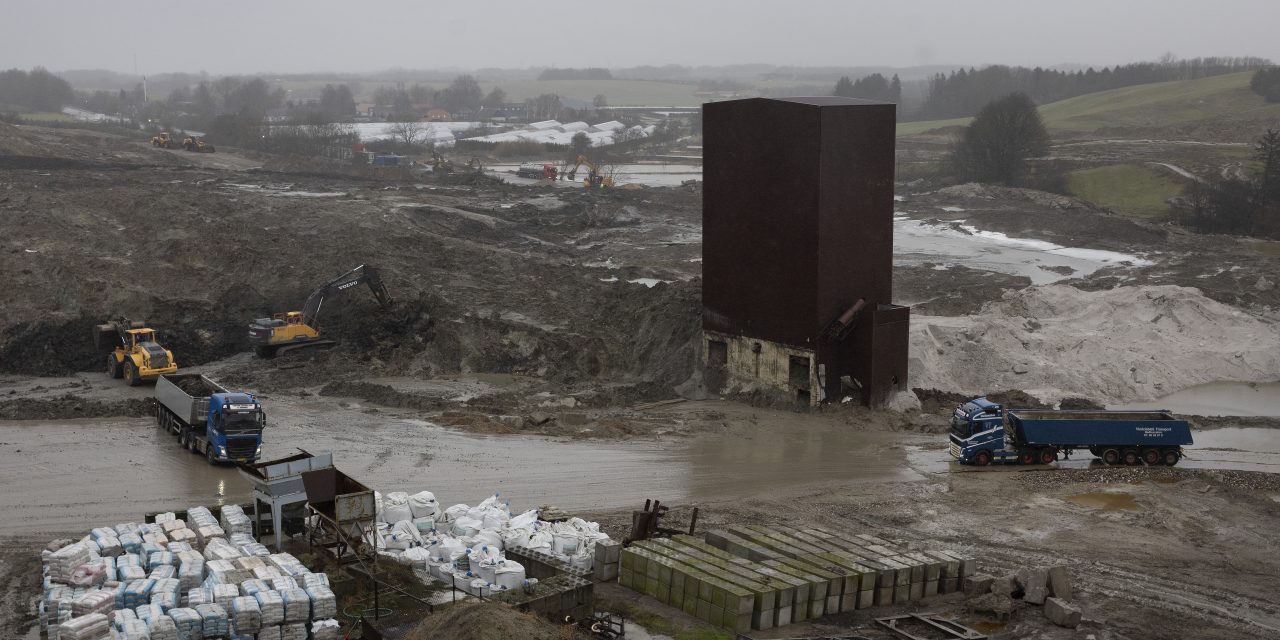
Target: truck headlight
<point x="222" y="451"/>
<point x="258" y="451"/>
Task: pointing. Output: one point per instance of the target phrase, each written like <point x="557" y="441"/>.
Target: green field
<point x="1147" y="106"/>
<point x="1131" y="189"/>
<point x="912" y="128"/>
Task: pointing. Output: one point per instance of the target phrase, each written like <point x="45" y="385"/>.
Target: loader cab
<point x="139" y="337"/>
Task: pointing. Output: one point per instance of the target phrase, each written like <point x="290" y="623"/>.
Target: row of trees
<point x="1245" y="204"/>
<point x="590" y="73"/>
<point x="963" y="92"/>
<point x="35" y="90"/>
<point x="872" y="87"/>
<point x="1266" y="83"/>
<point x="463" y="94"/>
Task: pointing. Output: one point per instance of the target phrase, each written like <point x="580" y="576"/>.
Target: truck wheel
<point x="1130" y="457"/>
<point x="131" y="373"/>
<point x="982" y="458"/>
<point x="113" y="367"/>
<point x="1110" y="456"/>
<point x="182" y="438"/>
<point x="1048" y="455"/>
<point x="1151" y="457"/>
<point x="1027" y="457"/>
<point x="208" y="455"/>
<point x="1171" y="457"/>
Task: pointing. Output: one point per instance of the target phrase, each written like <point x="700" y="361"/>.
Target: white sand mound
<point x="1122" y="345"/>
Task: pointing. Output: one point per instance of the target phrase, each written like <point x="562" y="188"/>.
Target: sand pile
<point x="1120" y="345"/>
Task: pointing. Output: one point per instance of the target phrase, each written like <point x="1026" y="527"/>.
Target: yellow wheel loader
<point x="133" y="352"/>
<point x="197" y="145"/>
<point x="300" y="329"/>
<point x="162" y="140"/>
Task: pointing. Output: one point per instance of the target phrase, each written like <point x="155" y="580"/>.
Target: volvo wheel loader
<point x="133" y="351"/>
<point x="191" y="143"/>
<point x="291" y="330"/>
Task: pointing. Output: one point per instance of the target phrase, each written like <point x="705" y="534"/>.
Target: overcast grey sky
<point x="240" y="36"/>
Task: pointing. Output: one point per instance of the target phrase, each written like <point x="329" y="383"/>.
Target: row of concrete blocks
<point x="745" y="578"/>
<point x="554" y="597"/>
<point x="604" y="568"/>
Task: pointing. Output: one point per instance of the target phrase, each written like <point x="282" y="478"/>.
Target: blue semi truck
<point x="224" y="426"/>
<point x="983" y="432"/>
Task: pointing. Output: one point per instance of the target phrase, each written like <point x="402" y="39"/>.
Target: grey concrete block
<point x="1004" y="586"/>
<point x="1034" y="583"/>
<point x="1062" y="613"/>
<point x="978" y="584"/>
<point x="1060" y="583"/>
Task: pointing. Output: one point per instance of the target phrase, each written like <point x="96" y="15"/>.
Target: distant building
<point x="437" y="115"/>
<point x="366" y="109"/>
<point x="506" y="110"/>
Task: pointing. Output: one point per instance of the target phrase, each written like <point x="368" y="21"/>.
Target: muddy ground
<point x="526" y="353"/>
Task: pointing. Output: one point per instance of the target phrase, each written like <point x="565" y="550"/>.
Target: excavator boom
<point x="361" y="274"/>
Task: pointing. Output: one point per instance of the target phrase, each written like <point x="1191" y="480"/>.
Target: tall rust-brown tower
<point x="798" y="249"/>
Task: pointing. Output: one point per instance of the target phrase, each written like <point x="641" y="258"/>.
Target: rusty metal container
<point x="339" y="496"/>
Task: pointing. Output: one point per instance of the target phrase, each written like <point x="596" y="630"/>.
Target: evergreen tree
<point x="997" y="144"/>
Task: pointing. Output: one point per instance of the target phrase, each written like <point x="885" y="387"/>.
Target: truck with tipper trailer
<point x="983" y="432"/>
<point x="224" y="426"/>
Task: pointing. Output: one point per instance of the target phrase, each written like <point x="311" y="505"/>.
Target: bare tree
<point x="543" y="107"/>
<point x="409" y="132"/>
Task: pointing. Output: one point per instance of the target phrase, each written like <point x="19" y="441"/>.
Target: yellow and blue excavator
<point x="292" y="330"/>
<point x="134" y="352"/>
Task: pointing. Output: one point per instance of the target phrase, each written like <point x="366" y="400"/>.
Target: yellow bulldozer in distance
<point x="133" y="351"/>
<point x="162" y="140"/>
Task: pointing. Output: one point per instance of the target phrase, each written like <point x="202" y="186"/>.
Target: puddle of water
<point x="1108" y="501"/>
<point x="916" y="242"/>
<point x="1219" y="399"/>
<point x="70" y="473"/>
<point x="988" y="627"/>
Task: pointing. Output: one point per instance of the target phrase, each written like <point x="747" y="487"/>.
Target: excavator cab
<point x="300" y="329"/>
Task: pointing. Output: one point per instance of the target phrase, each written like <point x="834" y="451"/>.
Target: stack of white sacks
<point x="465" y="546"/>
<point x="175" y="579"/>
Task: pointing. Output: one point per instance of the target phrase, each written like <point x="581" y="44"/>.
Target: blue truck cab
<point x="978" y="425"/>
<point x="983" y="432"/>
<point x="234" y="427"/>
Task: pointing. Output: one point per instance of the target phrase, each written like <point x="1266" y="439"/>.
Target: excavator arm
<point x="362" y="274"/>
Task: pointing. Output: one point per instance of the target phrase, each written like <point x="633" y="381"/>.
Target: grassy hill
<point x="1137" y="190"/>
<point x="1217" y="100"/>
